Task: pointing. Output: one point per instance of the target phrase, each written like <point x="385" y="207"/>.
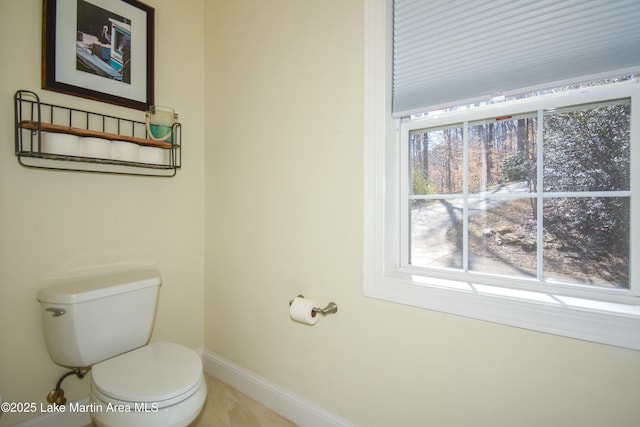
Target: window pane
<point x="435" y="241"/>
<point x="502" y="237"/>
<point x="587" y="149"/>
<point x="586" y="240"/>
<point x="585" y="237"/>
<point x="435" y="159"/>
<point x="502" y="152"/>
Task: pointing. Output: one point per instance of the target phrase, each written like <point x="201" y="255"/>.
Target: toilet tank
<point x="87" y="320"/>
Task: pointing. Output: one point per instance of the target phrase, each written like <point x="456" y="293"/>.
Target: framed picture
<point x="99" y="49"/>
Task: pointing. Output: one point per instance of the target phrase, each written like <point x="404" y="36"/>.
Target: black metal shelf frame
<point x="33" y="118"/>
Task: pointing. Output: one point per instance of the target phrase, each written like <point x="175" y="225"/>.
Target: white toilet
<point x="104" y="323"/>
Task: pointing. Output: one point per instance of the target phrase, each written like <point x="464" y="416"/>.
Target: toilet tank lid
<point x="81" y="289"/>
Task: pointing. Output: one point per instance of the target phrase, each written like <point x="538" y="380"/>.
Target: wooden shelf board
<point x="47" y="127"/>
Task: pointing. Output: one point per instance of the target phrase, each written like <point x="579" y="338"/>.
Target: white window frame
<point x="607" y="317"/>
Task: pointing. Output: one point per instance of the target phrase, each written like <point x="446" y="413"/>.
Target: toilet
<point x="105" y="323"/>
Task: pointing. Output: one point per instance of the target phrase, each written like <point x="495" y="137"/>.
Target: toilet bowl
<point x="105" y="323"/>
<point x="159" y="384"/>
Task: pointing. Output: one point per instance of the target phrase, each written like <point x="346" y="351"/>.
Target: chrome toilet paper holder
<point x="332" y="307"/>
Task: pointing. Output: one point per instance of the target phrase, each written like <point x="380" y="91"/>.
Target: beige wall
<point x="58" y="223"/>
<point x="284" y="191"/>
<point x="281" y="197"/>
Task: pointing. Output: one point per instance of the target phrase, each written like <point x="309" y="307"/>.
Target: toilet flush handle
<point x="56" y="311"/>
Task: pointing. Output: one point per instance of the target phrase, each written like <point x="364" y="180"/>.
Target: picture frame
<point x="99" y="49"/>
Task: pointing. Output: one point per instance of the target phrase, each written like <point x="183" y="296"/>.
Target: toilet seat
<point x="161" y="374"/>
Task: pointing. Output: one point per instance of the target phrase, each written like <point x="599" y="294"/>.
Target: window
<point x="477" y="202"/>
<point x="518" y="212"/>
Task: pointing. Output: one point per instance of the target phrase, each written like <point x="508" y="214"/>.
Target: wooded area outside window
<point x="522" y="212"/>
<point x="542" y="196"/>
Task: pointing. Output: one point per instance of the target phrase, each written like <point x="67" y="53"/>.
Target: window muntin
<point x="541" y="195"/>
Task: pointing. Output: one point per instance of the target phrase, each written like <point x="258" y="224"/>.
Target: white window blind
<point x="458" y="51"/>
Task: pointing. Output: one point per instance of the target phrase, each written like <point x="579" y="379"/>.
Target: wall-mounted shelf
<point x="61" y="138"/>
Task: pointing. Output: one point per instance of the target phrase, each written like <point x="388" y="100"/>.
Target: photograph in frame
<point x="99" y="49"/>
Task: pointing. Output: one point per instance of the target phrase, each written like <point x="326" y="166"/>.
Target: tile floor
<point x="227" y="407"/>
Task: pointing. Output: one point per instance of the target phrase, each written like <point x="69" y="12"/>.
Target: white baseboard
<point x="283" y="402"/>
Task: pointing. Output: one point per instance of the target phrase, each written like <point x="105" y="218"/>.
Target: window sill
<point x="610" y="323"/>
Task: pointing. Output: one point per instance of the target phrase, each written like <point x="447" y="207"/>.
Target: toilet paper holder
<point x="332" y="307"/>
